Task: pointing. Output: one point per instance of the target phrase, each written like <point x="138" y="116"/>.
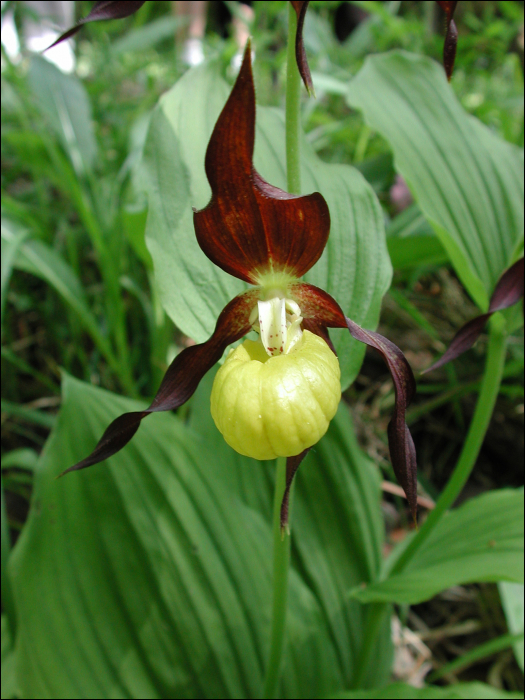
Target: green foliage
<point x="354" y="267"/>
<point x="468" y="182"/>
<point x="126" y="558"/>
<point x="150" y="575"/>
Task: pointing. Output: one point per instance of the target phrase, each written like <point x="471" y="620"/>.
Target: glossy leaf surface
<point x="152" y="572"/>
<point x="354" y="267"/>
<point x="489" y="548"/>
<point x="467" y="181"/>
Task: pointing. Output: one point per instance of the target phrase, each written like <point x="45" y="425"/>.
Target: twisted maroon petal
<point x="451" y="37"/>
<point x="181" y="379"/>
<point x="251" y="227"/>
<point x="300" y="53"/>
<point x="292" y="465"/>
<point x="325" y="311"/>
<point x="107" y="9"/>
<point x="508" y="291"/>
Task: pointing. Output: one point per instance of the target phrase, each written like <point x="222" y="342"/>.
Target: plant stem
<point x="293" y="110"/>
<point x="488" y="394"/>
<point x="281" y="560"/>
<point x="281" y="545"/>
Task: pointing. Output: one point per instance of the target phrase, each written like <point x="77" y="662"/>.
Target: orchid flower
<point x="274" y="396"/>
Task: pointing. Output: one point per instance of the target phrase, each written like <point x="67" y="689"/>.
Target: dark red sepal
<point x="300" y="53"/>
<point x="292" y="465"/>
<point x="107" y="9"/>
<point x="181" y="379"/>
<point x="251" y="227"/>
<point x="508" y="291"/>
<point x="451" y="37"/>
<point x="324" y="310"/>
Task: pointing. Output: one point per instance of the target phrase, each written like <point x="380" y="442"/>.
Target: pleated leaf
<point x="150" y="575"/>
<point x="354" y="267"/>
<point x="467" y="181"/>
<point x="480" y="541"/>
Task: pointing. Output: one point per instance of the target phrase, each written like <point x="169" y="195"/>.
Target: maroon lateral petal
<point x="316" y="304"/>
<point x="251" y="227"/>
<point x="108" y="9"/>
<point x="309" y="324"/>
<point x="300" y="53"/>
<point x="292" y="465"/>
<point x="451" y="37"/>
<point x="508" y="291"/>
<point x="181" y="379"/>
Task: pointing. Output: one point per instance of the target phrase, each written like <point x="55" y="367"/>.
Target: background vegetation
<point x="78" y="292"/>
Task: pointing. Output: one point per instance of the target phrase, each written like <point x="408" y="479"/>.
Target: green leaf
<point x="513" y="606"/>
<point x="467" y="181"/>
<point x="354" y="267"/>
<point x="9" y="688"/>
<point x="23" y="457"/>
<point x="337" y="492"/>
<point x="147" y="36"/>
<point x="9" y="255"/>
<point x="64" y="101"/>
<point x="149" y="575"/>
<point x="480" y="541"/>
<point x="41" y="260"/>
<point x="403" y="691"/>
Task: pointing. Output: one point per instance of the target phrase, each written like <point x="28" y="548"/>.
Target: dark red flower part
<point x="181" y="379"/>
<point x="300" y="53"/>
<point x="451" y="37"/>
<point x="107" y="9"/>
<point x="317" y="304"/>
<point x="251" y="228"/>
<point x="508" y="291"/>
<point x="270" y="238"/>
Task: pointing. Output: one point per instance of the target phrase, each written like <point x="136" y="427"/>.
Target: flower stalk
<point x="281" y="565"/>
<point x="293" y="110"/>
<point x="282" y="538"/>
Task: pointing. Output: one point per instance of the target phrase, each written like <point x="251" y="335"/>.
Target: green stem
<point x="488" y="394"/>
<point x="281" y="561"/>
<point x="293" y="110"/>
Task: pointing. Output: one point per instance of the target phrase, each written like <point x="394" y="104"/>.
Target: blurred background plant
<point x="77" y="282"/>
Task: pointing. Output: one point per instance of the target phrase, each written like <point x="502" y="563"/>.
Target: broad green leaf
<point x="9" y="687"/>
<point x="513" y="606"/>
<point x="64" y="101"/>
<point x="480" y="541"/>
<point x="403" y="691"/>
<point x="467" y="181"/>
<point x="354" y="267"/>
<point x="149" y="576"/>
<point x="337" y="491"/>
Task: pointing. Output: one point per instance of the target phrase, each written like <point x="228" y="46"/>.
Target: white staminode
<point x="279" y="325"/>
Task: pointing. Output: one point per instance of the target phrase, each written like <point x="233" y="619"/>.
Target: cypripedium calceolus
<point x="274" y="396"/>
